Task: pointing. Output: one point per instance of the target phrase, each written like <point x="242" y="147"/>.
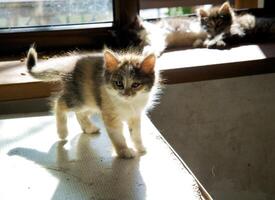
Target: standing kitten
<point x="119" y="86"/>
<point x="223" y="24"/>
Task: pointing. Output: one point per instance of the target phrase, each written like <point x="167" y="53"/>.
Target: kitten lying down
<point x="119" y="86"/>
<point x="171" y="33"/>
<point x="224" y="26"/>
<point x="221" y="22"/>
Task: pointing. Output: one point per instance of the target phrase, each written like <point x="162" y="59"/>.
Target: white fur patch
<point x="129" y="107"/>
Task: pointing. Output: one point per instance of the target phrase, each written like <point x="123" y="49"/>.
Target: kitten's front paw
<point x="62" y="133"/>
<point x="126" y="153"/>
<point x="215" y="44"/>
<point x="220" y="44"/>
<point x="141" y="149"/>
<point x="91" y="130"/>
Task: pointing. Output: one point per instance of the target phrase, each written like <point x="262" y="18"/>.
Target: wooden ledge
<point x="179" y="66"/>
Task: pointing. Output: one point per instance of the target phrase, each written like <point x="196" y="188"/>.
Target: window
<point x="28" y="13"/>
<point x="55" y="24"/>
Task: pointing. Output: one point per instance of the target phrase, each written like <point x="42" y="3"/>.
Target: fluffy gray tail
<point x="50" y="70"/>
<point x="265" y="26"/>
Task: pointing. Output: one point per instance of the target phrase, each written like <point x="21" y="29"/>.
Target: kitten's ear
<point x="111" y="60"/>
<point x="137" y="22"/>
<point x="202" y="13"/>
<point x="225" y="8"/>
<point x="148" y="64"/>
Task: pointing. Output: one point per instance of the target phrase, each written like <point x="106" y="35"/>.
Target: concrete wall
<point x="225" y="131"/>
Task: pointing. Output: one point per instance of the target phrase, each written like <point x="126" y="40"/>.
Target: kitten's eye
<point x="203" y="20"/>
<point x="136" y="85"/>
<point x="119" y="85"/>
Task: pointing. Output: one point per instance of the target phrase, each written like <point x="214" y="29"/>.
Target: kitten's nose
<point x="127" y="92"/>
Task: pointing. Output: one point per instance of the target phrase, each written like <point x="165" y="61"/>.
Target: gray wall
<point x="225" y="131"/>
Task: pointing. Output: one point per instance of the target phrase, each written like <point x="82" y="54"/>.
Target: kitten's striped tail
<point x="40" y="72"/>
<point x="50" y="70"/>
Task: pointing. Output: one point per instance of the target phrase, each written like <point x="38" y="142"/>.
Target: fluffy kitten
<point x="223" y="24"/>
<point x="119" y="86"/>
<point x="155" y="37"/>
<point x="172" y="33"/>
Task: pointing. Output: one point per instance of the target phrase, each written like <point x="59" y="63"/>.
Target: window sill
<point x="179" y="66"/>
<point x="192" y="65"/>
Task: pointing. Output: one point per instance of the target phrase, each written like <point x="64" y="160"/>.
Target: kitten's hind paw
<point x="126" y="153"/>
<point x="198" y="43"/>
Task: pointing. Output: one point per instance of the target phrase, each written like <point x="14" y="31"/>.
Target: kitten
<point x="155" y="37"/>
<point x="223" y="24"/>
<point x="119" y="86"/>
<point x="172" y="33"/>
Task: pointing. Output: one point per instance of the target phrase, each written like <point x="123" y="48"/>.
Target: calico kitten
<point x="119" y="86"/>
<point x="223" y="25"/>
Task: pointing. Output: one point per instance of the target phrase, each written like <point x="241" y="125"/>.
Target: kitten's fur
<point x="128" y="36"/>
<point x="223" y="24"/>
<point x="119" y="86"/>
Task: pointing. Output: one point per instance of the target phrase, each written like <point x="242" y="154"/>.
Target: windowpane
<point x="169" y="12"/>
<point x="164" y="8"/>
<point x="26" y="13"/>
